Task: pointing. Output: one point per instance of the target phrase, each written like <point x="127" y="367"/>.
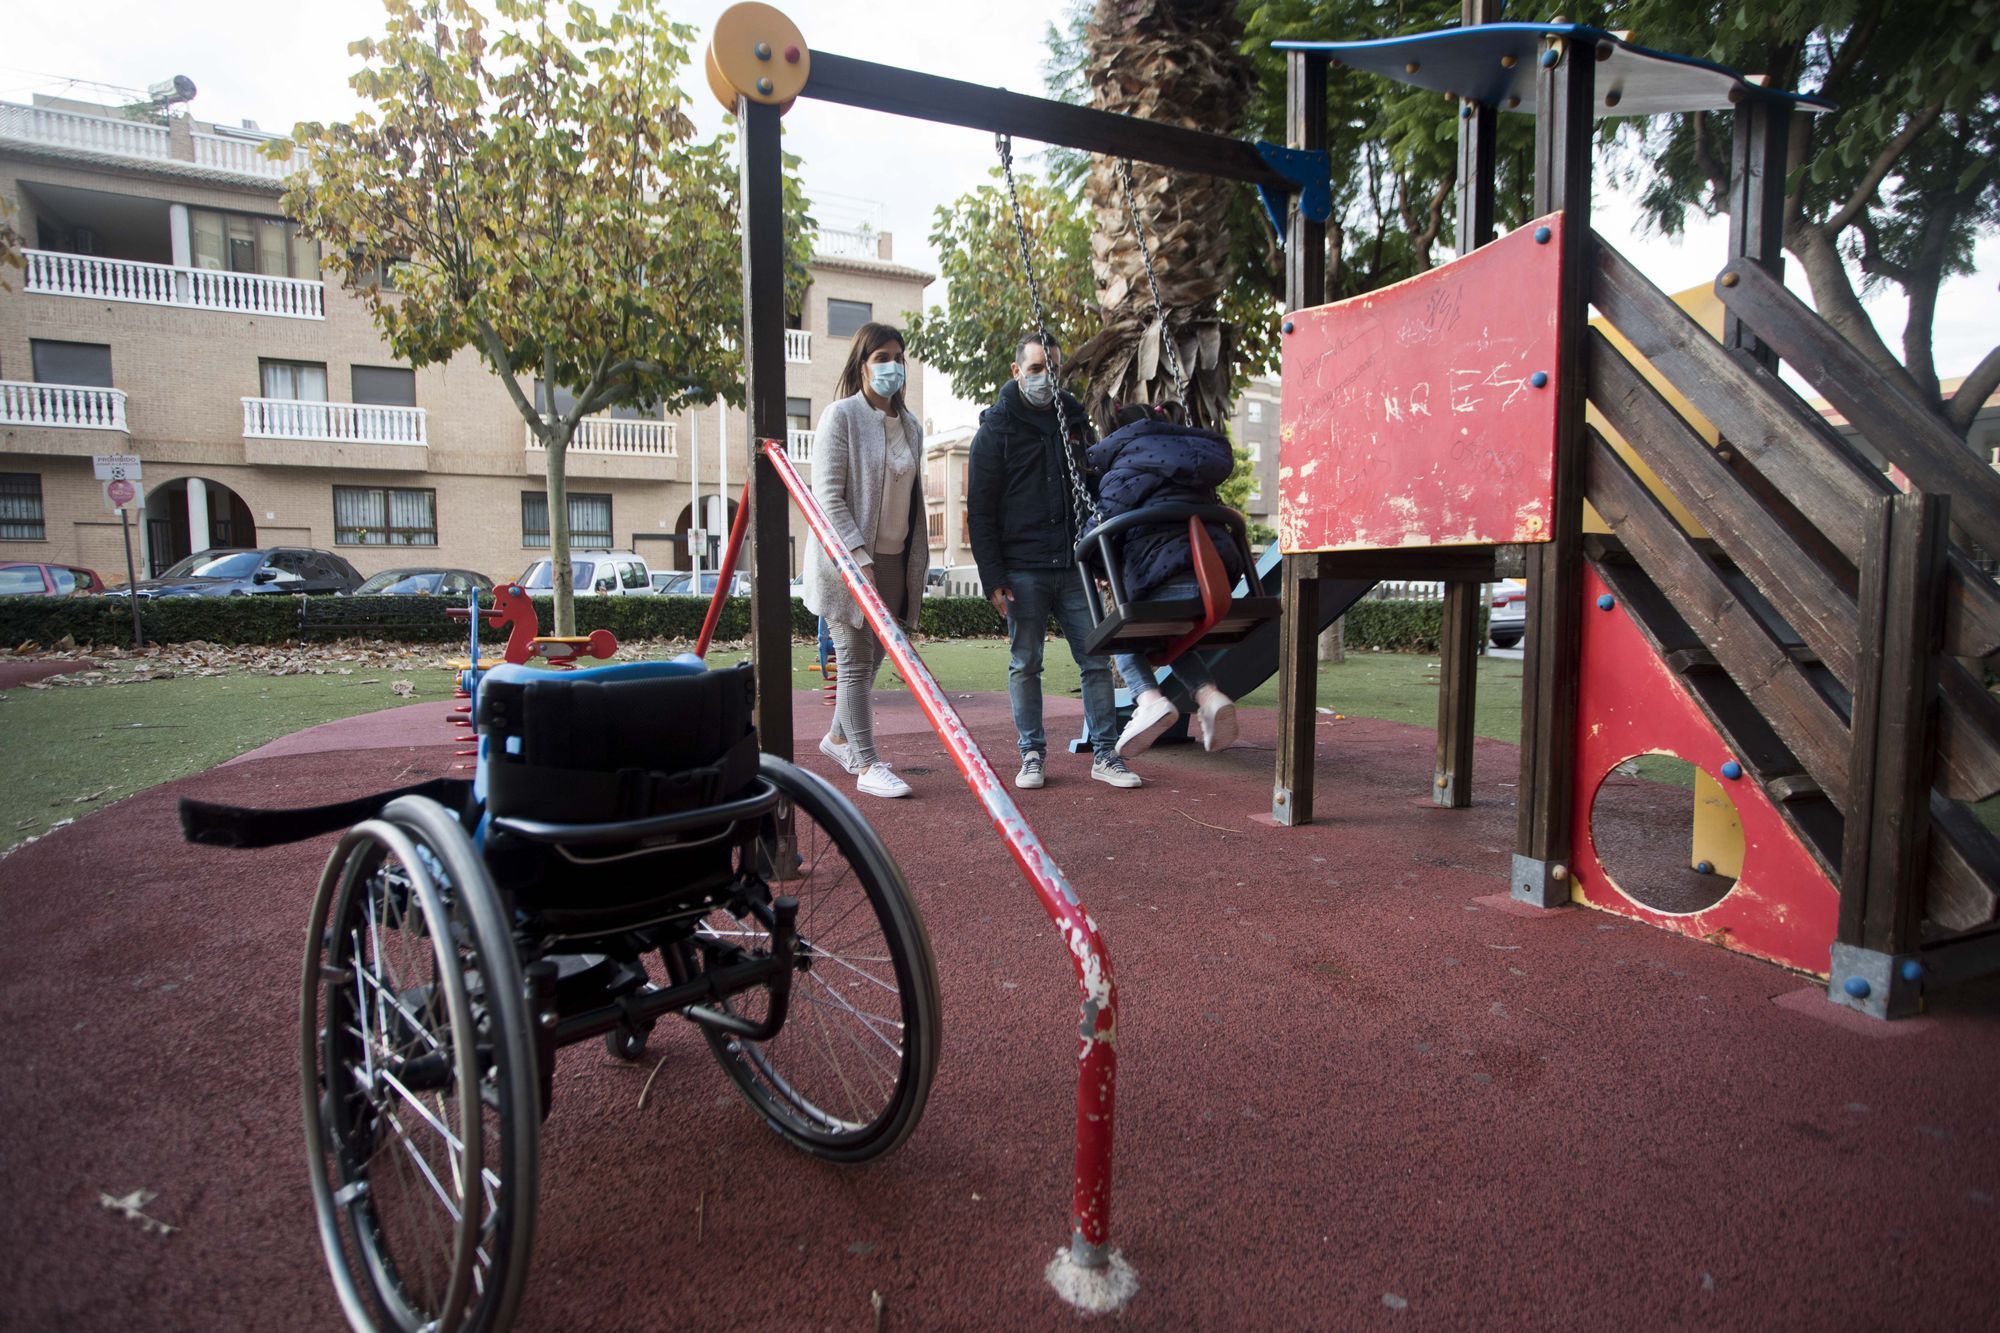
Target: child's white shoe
<point x="1151" y="717"/>
<point x="1217" y="715"/>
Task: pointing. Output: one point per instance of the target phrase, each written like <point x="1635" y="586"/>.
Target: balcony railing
<point x="241" y="155"/>
<point x="53" y="274"/>
<point x="74" y="406"/>
<point x="151" y="142"/>
<point x="338" y="423"/>
<point x="837" y="244"/>
<point x="799" y="445"/>
<point x="95" y="134"/>
<point x="616" y="435"/>
<point x="798" y="346"/>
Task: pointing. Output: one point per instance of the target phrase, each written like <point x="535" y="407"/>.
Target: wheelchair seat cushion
<point x="567" y="749"/>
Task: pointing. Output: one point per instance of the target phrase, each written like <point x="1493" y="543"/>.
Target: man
<point x="1024" y="529"/>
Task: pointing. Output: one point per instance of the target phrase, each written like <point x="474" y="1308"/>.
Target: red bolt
<point x="791" y="55"/>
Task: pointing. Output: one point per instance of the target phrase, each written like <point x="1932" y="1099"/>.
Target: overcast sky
<point x="277" y="65"/>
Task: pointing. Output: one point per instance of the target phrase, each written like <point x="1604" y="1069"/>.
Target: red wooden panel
<point x="1412" y="417"/>
<point x="1783" y="907"/>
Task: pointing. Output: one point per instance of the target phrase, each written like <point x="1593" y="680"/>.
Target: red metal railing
<point x="1097" y="1035"/>
<point x="724" y="574"/>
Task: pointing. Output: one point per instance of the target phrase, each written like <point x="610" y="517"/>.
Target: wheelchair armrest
<point x="762" y="799"/>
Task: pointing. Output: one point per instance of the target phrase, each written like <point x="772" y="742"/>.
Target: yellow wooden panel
<point x="1718" y="833"/>
<point x="1702" y="303"/>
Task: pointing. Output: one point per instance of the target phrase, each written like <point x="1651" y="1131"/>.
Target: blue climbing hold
<point x="1542" y="235"/>
<point x="1465" y="111"/>
<point x="1540" y="379"/>
<point x="1704" y="867"/>
<point x="1288" y="326"/>
<point x="1858" y="987"/>
<point x="1549" y="59"/>
<point x="1606" y="602"/>
<point x="1911" y="970"/>
<point x="1732" y="770"/>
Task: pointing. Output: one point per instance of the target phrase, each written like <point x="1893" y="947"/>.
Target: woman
<point x="1152" y="459"/>
<point x="868" y="475"/>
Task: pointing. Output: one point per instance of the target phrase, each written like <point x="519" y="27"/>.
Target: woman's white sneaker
<point x="1151" y="717"/>
<point x="878" y="779"/>
<point x="1218" y="720"/>
<point x="839" y="751"/>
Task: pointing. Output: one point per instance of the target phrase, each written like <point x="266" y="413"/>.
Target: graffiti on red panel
<point x="1424" y="414"/>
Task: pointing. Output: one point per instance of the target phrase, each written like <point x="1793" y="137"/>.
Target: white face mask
<point x="1038" y="388"/>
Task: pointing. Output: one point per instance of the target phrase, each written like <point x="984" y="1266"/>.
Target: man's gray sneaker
<point x="1030" y="775"/>
<point x="1113" y="771"/>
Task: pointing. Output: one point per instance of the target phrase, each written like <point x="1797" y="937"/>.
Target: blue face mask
<point x="1038" y="389"/>
<point x="886" y="378"/>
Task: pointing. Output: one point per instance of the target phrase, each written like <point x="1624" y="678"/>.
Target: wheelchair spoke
<point x="868" y="1020"/>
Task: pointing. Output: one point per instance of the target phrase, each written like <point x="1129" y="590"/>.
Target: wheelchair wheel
<point x="847" y="1077"/>
<point x="419" y="1081"/>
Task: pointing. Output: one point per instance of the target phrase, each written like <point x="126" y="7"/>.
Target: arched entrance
<point x="717" y="529"/>
<point x="180" y="509"/>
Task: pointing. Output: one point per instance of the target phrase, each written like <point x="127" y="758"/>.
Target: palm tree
<point x="1178" y="61"/>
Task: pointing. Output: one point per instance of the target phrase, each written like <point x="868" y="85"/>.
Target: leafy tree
<point x="1892" y="188"/>
<point x="974" y="340"/>
<point x="543" y="201"/>
<point x="11" y="243"/>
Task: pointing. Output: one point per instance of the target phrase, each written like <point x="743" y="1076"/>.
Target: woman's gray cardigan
<point x="850" y="466"/>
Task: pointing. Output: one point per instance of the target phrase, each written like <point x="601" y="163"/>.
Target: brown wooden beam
<point x="1757" y="206"/>
<point x="1458" y="684"/>
<point x="1444" y="564"/>
<point x="1885" y="854"/>
<point x="1298" y="637"/>
<point x="1551" y="660"/>
<point x="1743" y="646"/>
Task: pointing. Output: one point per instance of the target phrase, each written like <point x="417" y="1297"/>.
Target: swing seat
<point x="1164" y="628"/>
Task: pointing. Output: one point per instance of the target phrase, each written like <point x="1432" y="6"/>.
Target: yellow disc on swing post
<point x="758" y="53"/>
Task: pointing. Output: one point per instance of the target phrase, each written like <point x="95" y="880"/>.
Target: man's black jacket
<point x="1018" y="496"/>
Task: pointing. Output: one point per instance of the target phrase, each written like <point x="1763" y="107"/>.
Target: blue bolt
<point x="1288" y="326"/>
<point x="763" y="50"/>
<point x="1912" y="970"/>
<point x="1540" y="379"/>
<point x="764" y="86"/>
<point x="1606" y="602"/>
<point x="1704" y="868"/>
<point x="1732" y="770"/>
<point x="1465" y="111"/>
<point x="1542" y="235"/>
<point x="1858" y="987"/>
<point x="1549" y="58"/>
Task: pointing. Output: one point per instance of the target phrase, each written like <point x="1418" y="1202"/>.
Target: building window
<point x="937" y="527"/>
<point x="383" y="516"/>
<point x="71" y="363"/>
<point x="1256" y="448"/>
<point x="241" y="243"/>
<point x="21" y="507"/>
<point x="1253" y="412"/>
<point x="844" y="317"/>
<point x="385" y="386"/>
<point x="293" y="381"/>
<point x="798" y="414"/>
<point x="589" y="521"/>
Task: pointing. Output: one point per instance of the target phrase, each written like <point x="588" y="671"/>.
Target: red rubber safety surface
<point x="1355" y="1087"/>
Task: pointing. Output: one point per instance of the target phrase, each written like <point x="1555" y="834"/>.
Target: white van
<point x="595" y="573"/>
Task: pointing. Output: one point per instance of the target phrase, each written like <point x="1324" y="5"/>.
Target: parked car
<point x="602" y="573"/>
<point x="683" y="585"/>
<point x="33" y="580"/>
<point x="1509" y="618"/>
<point x="424" y="583"/>
<point x="227" y="572"/>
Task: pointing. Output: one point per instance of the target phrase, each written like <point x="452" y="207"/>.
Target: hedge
<point x="1393" y="626"/>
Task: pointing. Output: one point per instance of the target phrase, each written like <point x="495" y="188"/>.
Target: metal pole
<point x="695" y="528"/>
<point x="1097" y="1051"/>
<point x="724" y="572"/>
<point x="763" y="202"/>
<point x="131" y="579"/>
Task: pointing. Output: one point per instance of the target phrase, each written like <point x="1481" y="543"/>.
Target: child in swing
<point x="1150" y="458"/>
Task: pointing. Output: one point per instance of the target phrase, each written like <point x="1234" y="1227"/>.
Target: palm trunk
<point x="1177" y="61"/>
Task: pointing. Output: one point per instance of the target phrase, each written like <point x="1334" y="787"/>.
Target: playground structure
<point x="1766" y="642"/>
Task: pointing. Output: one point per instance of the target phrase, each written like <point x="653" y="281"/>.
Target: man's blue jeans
<point x="1038" y="594"/>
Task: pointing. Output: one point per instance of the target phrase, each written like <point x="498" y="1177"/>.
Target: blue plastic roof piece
<point x="1495" y="64"/>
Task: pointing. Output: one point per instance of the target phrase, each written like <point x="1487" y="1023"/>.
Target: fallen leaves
<point x="132" y="1206"/>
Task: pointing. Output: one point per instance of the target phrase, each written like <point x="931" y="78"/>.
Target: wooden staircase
<point x="1826" y="624"/>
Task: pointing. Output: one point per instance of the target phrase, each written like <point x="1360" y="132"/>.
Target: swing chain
<point x="1083" y="507"/>
<point x="1159" y="309"/>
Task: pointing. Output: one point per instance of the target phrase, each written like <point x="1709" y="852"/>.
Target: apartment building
<point x="169" y="310"/>
<point x="1255" y="427"/>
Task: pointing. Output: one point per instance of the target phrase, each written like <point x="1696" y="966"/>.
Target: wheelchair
<point x="624" y="854"/>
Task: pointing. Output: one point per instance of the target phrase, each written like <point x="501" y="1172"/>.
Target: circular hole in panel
<point x="1650" y="841"/>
